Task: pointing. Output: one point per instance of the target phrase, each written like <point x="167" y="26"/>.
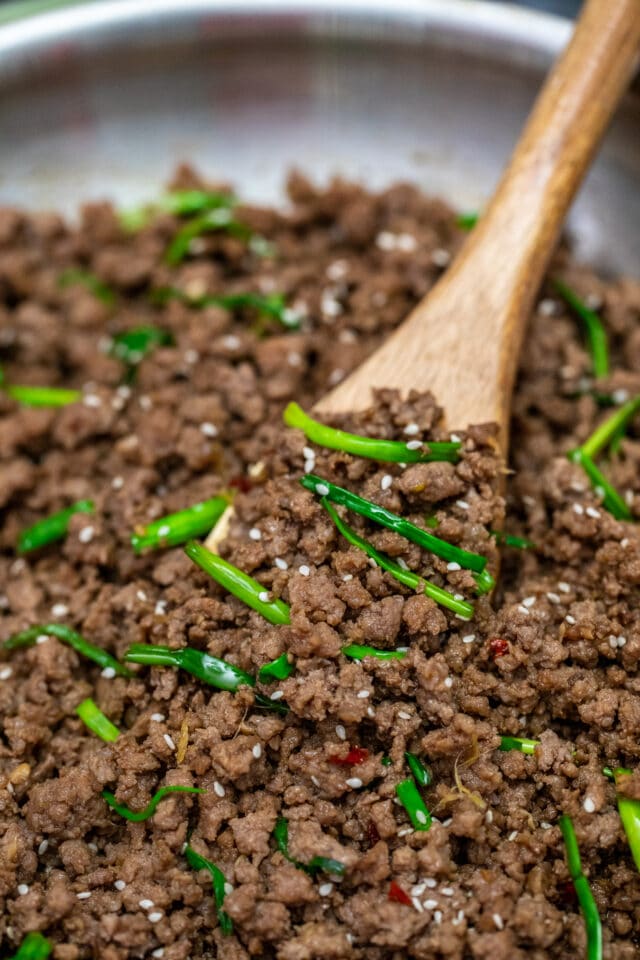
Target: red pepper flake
<point x="373" y="834"/>
<point x="398" y="895"/>
<point x="355" y="756"/>
<point x="497" y="647"/>
<point x="241" y="482"/>
<point x="568" y="894"/>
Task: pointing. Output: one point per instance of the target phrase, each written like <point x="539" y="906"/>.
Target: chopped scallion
<point x="180" y="203"/>
<point x="611" y="499"/>
<point x="605" y="433"/>
<point x="315" y="865"/>
<point x="179" y="527"/>
<point x="217" y="673"/>
<point x="219" y="218"/>
<point x="629" y="810"/>
<point x="238" y="583"/>
<point x="137" y="816"/>
<point x="588" y="905"/>
<point x="523" y="744"/>
<point x="594" y="328"/>
<point x="358" y="651"/>
<point x="278" y="669"/>
<point x="511" y="540"/>
<point x="41" y="396"/>
<point x="35" y="946"/>
<point x="93" y="717"/>
<point x="218" y="881"/>
<point x="27" y="638"/>
<point x="131" y="346"/>
<point x="410" y="798"/>
<point x="270" y="305"/>
<point x="51" y="528"/>
<point x="85" y="278"/>
<point x="421" y="773"/>
<point x="467" y="221"/>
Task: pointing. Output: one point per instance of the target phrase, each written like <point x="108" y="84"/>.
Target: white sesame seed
<point x="336" y="376"/>
<point x="255" y="534"/>
<point x="322" y="489"/>
<point x="620" y="396"/>
<point x="108" y="673"/>
<point x="545" y="825"/>
<point x="406" y="242"/>
<point x="325" y="889"/>
<point x="257" y="751"/>
<point x="578" y="508"/>
<point x="564" y="587"/>
<point x="404" y="715"/>
<point x="158" y="717"/>
<point x="23" y="889"/>
<point x="489" y="816"/>
<point x="146" y="904"/>
<point x="304" y="570"/>
<point x="470" y="637"/>
<point x="414" y="444"/>
<point x="91" y="400"/>
<point x="430" y="904"/>
<point x="431" y="883"/>
<point x="553" y="597"/>
<point x="158" y="952"/>
<point x="315" y="781"/>
<point x="523" y="609"/>
<point x="416" y="903"/>
<point x="117" y="483"/>
<point x="5" y="673"/>
<point x="437" y="917"/>
<point x="404" y="832"/>
<point x="455" y="438"/>
<point x="341" y="733"/>
<point x="86" y="534"/>
<point x="412" y="429"/>
<point x="42" y="848"/>
<point x="363" y="694"/>
<point x="459" y="917"/>
<point x="589" y="805"/>
<point x="448" y="682"/>
<point x="337" y="270"/>
<point x="528" y="601"/>
<point x="499" y="922"/>
<point x="371" y="712"/>
<point x="145" y="402"/>
<point x="191" y="356"/>
<point x="513" y="835"/>
<point x="622" y="641"/>
<point x="168" y="739"/>
<point x="453" y="566"/>
<point x="462" y="504"/>
<point x="329" y="306"/>
<point x="309" y="466"/>
<point x="218" y="789"/>
<point x="228" y="887"/>
<point x="347" y="577"/>
<point x="59" y="610"/>
<point x="263" y="596"/>
<point x="570" y="619"/>
<point x="440" y="257"/>
<point x="447" y="891"/>
<point x="386" y="240"/>
<point x="421" y="816"/>
<point x="629" y="497"/>
<point x="386" y="481"/>
<point x="592" y="512"/>
<point x="208" y="429"/>
<point x="613" y="642"/>
<point x="308" y="453"/>
<point x="119" y="884"/>
<point x="624" y="542"/>
<point x="354" y="782"/>
<point x="418" y="889"/>
<point x="84" y="895"/>
<point x="281" y="564"/>
<point x="547" y="307"/>
<point x="402" y="563"/>
<point x="155" y="916"/>
<point x="231" y="342"/>
<point x="141" y="595"/>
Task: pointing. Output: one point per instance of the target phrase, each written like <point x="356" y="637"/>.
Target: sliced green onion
<point x="386" y="761"/>
<point x="137" y="816"/>
<point x="421" y="773"/>
<point x="316" y="864"/>
<point x="238" y="583"/>
<point x="278" y="669"/>
<point x="217" y="673"/>
<point x="410" y="798"/>
<point x="131" y="346"/>
<point x="219" y="218"/>
<point x="180" y="203"/>
<point x="432" y="522"/>
<point x="218" y="880"/>
<point x="27" y="638"/>
<point x="391" y="451"/>
<point x="358" y="651"/>
<point x="384" y="517"/>
<point x="270" y="305"/>
<point x="604" y="434"/>
<point x="42" y="396"/>
<point x="326" y="865"/>
<point x="585" y="897"/>
<point x="511" y="540"/>
<point x="523" y="744"/>
<point x="611" y="499"/>
<point x="179" y="527"/>
<point x="93" y="717"/>
<point x="467" y="221"/>
<point x="34" y="947"/>
<point x="407" y="577"/>
<point x="51" y="528"/>
<point x="594" y="328"/>
<point x="629" y="810"/>
<point x="85" y="278"/>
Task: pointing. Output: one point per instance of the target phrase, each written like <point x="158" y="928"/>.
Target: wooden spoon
<point x="462" y="340"/>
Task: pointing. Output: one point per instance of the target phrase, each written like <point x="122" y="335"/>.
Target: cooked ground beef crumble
<point x="552" y="655"/>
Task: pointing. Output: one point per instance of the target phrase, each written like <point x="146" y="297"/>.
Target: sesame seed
<point x="578" y="508"/>
<point x="553" y="597"/>
<point x="315" y="781"/>
<point x="430" y="904"/>
<point x="155" y="916"/>
<point x="263" y="596"/>
<point x="228" y="887"/>
<point x="59" y="610"/>
<point x="470" y="637"/>
<point x="371" y="712"/>
<point x="23" y="889"/>
<point x="458" y="919"/>
<point x="564" y="587"/>
<point x="622" y="641"/>
<point x="354" y="782"/>
<point x="146" y="904"/>
<point x="281" y="564"/>
<point x="414" y="444"/>
<point x="404" y="832"/>
<point x="341" y="733"/>
<point x="42" y="848"/>
<point x="308" y="453"/>
<point x="613" y="642"/>
<point x="437" y="917"/>
<point x="141" y="595"/>
<point x="86" y="535"/>
<point x="624" y="542"/>
<point x="528" y="601"/>
<point x="418" y="889"/>
<point x="158" y="717"/>
<point x="191" y="356"/>
<point x="592" y="512"/>
<point x="336" y="376"/>
<point x="84" y="895"/>
<point x="446" y="891"/>
<point x="322" y="489"/>
<point x="499" y="922"/>
<point x="304" y="570"/>
<point x="421" y="816"/>
<point x="347" y="577"/>
<point x="462" y="504"/>
<point x="589" y="805"/>
<point x="402" y="563"/>
<point x="453" y="566"/>
<point x="231" y="342"/>
<point x="620" y="396"/>
<point x="386" y="481"/>
<point x="277" y="695"/>
<point x="431" y="883"/>
<point x="455" y="438"/>
<point x="325" y="889"/>
<point x="448" y="682"/>
<point x="337" y="270"/>
<point x="329" y="306"/>
<point x="629" y="497"/>
<point x="363" y="694"/>
<point x="547" y="307"/>
<point x="108" y="673"/>
<point x="208" y="429"/>
<point x="386" y="240"/>
<point x="440" y="257"/>
<point x="545" y="825"/>
<point x="117" y="483"/>
<point x="570" y="619"/>
<point x="168" y="739"/>
<point x="523" y="609"/>
<point x="145" y="403"/>
<point x="158" y="952"/>
<point x="404" y="715"/>
<point x="406" y="242"/>
<point x="416" y="903"/>
<point x="5" y="673"/>
<point x="309" y="466"/>
<point x="218" y="789"/>
<point x="513" y="835"/>
<point x="91" y="400"/>
<point x="489" y="816"/>
<point x="257" y="751"/>
<point x="412" y="429"/>
<point x="119" y="884"/>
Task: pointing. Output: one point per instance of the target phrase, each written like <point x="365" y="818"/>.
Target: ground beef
<point x="552" y="655"/>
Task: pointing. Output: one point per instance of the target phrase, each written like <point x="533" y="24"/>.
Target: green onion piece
<point x="522" y="744"/>
<point x="271" y="305"/>
<point x="421" y="773"/>
<point x="413" y="803"/>
<point x="217" y="673"/>
<point x="431" y="522"/>
<point x="407" y="577"/>
<point x="179" y="527"/>
<point x="186" y="203"/>
<point x="391" y="451"/>
<point x="510" y="540"/>
<point x="137" y="816"/>
<point x="278" y="669"/>
<point x="585" y="897"/>
<point x="384" y="517"/>
<point x="326" y="865"/>
<point x="34" y="947"/>
<point x="42" y="396"/>
<point x="358" y="651"/>
<point x="27" y="638"/>
<point x="594" y="328"/>
<point x="629" y="810"/>
<point x="51" y="528"/>
<point x="316" y="864"/>
<point x="604" y="434"/>
<point x="238" y="583"/>
<point x="467" y="221"/>
<point x="484" y="582"/>
<point x="219" y="218"/>
<point x="386" y="761"/>
<point x="611" y="499"/>
<point x="89" y="280"/>
<point x="198" y="862"/>
<point x="131" y="346"/>
<point x="93" y="717"/>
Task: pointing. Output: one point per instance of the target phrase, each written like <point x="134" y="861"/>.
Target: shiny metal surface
<point x="103" y="99"/>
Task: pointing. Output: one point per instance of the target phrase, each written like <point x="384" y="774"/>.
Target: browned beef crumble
<point x="489" y="879"/>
